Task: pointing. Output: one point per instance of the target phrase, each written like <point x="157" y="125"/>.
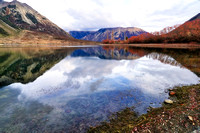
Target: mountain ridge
<point x="107" y="33"/>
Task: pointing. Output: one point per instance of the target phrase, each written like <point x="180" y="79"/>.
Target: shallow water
<point x="81" y="87"/>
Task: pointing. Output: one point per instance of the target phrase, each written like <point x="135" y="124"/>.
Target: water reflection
<point x="189" y="58"/>
<point x="85" y="75"/>
<point x="85" y="88"/>
<point x="107" y="53"/>
<point x="26" y="64"/>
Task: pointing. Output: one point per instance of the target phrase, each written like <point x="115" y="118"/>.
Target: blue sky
<point x="150" y="15"/>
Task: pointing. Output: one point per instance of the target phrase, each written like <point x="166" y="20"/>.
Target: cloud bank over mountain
<point x="95" y="14"/>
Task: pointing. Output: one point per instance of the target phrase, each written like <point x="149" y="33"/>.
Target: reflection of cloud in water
<point x="74" y="77"/>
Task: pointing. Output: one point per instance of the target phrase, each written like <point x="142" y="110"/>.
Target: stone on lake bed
<point x="168" y="101"/>
<point x="190" y="118"/>
<point x="172" y="93"/>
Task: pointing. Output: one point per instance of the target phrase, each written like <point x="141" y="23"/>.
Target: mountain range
<point x="80" y="34"/>
<point x="107" y="33"/>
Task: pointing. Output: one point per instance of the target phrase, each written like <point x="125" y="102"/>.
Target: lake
<point x="69" y="89"/>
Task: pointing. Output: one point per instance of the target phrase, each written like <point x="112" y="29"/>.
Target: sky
<point x="150" y="15"/>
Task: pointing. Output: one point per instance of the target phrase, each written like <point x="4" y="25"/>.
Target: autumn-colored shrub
<point x="109" y="41"/>
<point x="105" y="41"/>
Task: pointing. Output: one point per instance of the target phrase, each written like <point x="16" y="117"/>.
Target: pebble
<point x="168" y="101"/>
<point x="190" y="118"/>
<point x="172" y="93"/>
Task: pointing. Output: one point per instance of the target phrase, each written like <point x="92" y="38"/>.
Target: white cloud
<point x="150" y="15"/>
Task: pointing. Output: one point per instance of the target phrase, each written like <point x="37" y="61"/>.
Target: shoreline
<point x="181" y="116"/>
<point x="161" y="45"/>
<point x="89" y="43"/>
<point x="74" y="44"/>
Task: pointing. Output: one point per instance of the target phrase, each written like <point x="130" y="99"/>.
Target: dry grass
<point x="32" y="38"/>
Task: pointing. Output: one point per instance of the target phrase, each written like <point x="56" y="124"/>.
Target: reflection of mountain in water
<point x="25" y="65"/>
<point x="164" y="59"/>
<point x="189" y="58"/>
<point x="103" y="53"/>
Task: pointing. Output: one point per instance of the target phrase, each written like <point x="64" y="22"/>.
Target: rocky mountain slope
<point x="187" y="32"/>
<point x="17" y="17"/>
<point x="109" y="33"/>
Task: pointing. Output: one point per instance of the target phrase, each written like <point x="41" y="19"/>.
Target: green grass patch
<point x="3" y="32"/>
<point x="32" y="18"/>
<point x="4" y="57"/>
<point x="7" y="21"/>
<point x="37" y="68"/>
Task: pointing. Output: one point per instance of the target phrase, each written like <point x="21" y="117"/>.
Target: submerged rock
<point x="168" y="101"/>
<point x="190" y="118"/>
<point x="172" y="93"/>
